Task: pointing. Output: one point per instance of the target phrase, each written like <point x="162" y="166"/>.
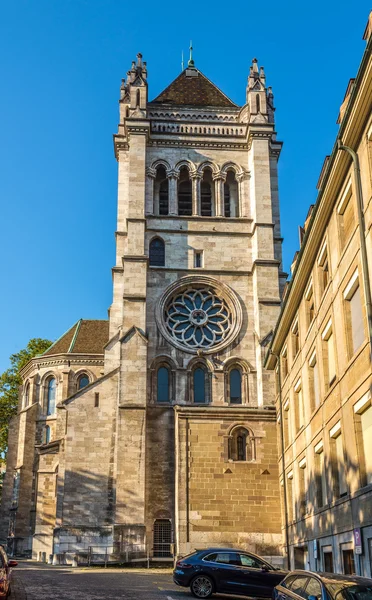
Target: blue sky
<point x="61" y="66"/>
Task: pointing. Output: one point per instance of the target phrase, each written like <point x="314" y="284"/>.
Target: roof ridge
<point x="78" y="325"/>
<point x="60" y="337"/>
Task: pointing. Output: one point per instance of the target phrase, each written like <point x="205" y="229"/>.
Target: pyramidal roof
<point x="192" y="88"/>
<point x="87" y="336"/>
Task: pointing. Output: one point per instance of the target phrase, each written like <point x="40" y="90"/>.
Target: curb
<point x="18" y="590"/>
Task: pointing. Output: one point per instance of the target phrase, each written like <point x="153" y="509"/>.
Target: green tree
<point x="10" y="381"/>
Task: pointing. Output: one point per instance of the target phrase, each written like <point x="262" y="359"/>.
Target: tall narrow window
<point x="198" y="259"/>
<point x="162" y="538"/>
<point x="286" y="423"/>
<point x="240" y="448"/>
<point x="207" y="194"/>
<point x="363" y="418"/>
<point x="163" y="384"/>
<point x="302" y="488"/>
<point x="161" y="189"/>
<point x="27" y="395"/>
<point x="235" y="386"/>
<point x="309" y="300"/>
<point x="83" y="381"/>
<point x="346" y="215"/>
<point x="284" y="363"/>
<point x="157" y="253"/>
<point x="323" y="269"/>
<point x="329" y="354"/>
<point x="47" y="434"/>
<point x="200" y="377"/>
<point x="338" y="461"/>
<point x="291" y="506"/>
<point x="258" y="104"/>
<point x="231" y="195"/>
<point x="314" y="383"/>
<point x="51" y="396"/>
<point x="295" y="339"/>
<point x="184" y="193"/>
<point x="138" y="98"/>
<point x="354" y="315"/>
<point x="320" y="476"/>
<point x="299" y="404"/>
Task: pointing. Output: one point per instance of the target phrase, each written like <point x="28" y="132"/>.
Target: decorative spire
<point x="191" y="61"/>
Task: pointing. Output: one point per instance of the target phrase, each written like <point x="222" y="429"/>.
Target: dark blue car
<point x="227" y="570"/>
<point x="300" y="585"/>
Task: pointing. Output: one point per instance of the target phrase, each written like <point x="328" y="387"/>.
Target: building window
<point x="235" y="386"/>
<point x="47" y="434"/>
<point x="346" y="217"/>
<point x="198" y="259"/>
<point x="161" y="192"/>
<point x="354" y="315"/>
<point x="363" y="423"/>
<point x="83" y="381"/>
<point x="284" y="359"/>
<point x="162" y="538"/>
<point x="323" y="269"/>
<point x="338" y="461"/>
<point x="329" y="356"/>
<point x="27" y="395"/>
<point x="240" y="446"/>
<point x="299" y="406"/>
<point x="207" y="194"/>
<point x="16" y="484"/>
<point x="302" y="484"/>
<point x="163" y="385"/>
<point x="231" y="195"/>
<point x="320" y="476"/>
<point x="290" y="498"/>
<point x="201" y="385"/>
<point x="295" y="339"/>
<point x="327" y="559"/>
<point x="286" y="423"/>
<point x="51" y="396"/>
<point x="314" y="383"/>
<point x="348" y="561"/>
<point x="309" y="300"/>
<point x="184" y="193"/>
<point x="157" y="252"/>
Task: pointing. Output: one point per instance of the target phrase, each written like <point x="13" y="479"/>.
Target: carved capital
<point x="172" y="174"/>
<point x="150" y="172"/>
<point x="219" y="176"/>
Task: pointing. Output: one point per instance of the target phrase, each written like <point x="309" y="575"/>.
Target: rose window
<point x="197" y="318"/>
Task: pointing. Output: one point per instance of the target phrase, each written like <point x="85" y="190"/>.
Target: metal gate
<point x="162" y="538"/>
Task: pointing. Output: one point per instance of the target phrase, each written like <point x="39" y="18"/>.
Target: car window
<point x="251" y="561"/>
<point x="314" y="588"/>
<point x="226" y="558"/>
<point x="351" y="592"/>
<point x="288" y="581"/>
<point x="298" y="586"/>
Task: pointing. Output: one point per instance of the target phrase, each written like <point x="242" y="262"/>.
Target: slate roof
<point x="192" y="88"/>
<point x="87" y="336"/>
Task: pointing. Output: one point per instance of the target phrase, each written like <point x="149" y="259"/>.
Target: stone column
<point x="240" y="178"/>
<point x="219" y="179"/>
<point x="172" y="191"/>
<point x="196" y="208"/>
<point x="151" y="209"/>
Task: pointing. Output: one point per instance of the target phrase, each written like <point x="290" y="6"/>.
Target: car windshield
<point x="345" y="590"/>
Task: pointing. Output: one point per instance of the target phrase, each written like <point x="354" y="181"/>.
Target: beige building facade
<point x="321" y="352"/>
<point x="156" y="430"/>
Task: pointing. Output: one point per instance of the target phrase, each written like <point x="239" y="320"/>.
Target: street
<point x="44" y="582"/>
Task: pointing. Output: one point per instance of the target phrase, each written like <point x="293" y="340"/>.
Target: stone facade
<point x="172" y="442"/>
<point x="323" y="340"/>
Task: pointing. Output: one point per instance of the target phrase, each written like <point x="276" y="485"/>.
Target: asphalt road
<point x="44" y="582"/>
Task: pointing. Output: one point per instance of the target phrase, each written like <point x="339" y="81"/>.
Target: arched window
<point x="162" y="537"/>
<point x="207" y="194"/>
<point x="51" y="396"/>
<point x="235" y="381"/>
<point x="47" y="434"/>
<point x="258" y="103"/>
<point x="240" y="446"/>
<point x="161" y="192"/>
<point x="200" y="385"/>
<point x="83" y="381"/>
<point x="163" y="385"/>
<point x="184" y="193"/>
<point x="231" y="195"/>
<point x="138" y="98"/>
<point x="27" y="395"/>
<point x="157" y="252"/>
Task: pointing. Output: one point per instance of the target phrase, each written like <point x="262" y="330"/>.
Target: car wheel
<point x="202" y="586"/>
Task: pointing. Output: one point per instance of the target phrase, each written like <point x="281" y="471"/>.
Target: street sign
<point x="315" y="548"/>
<point x="358" y="549"/>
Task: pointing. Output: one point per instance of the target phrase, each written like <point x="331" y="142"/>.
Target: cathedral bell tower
<point x="196" y="294"/>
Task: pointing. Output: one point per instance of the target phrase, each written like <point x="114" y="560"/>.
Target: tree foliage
<point x="10" y="381"/>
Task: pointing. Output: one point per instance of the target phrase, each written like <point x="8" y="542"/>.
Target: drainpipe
<point x="282" y="457"/>
<point x="363" y="246"/>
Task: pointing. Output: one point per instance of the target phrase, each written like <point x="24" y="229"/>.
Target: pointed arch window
<point x="27" y="395"/>
<point x="200" y="385"/>
<point x="240" y="445"/>
<point x="51" y="396"/>
<point x="47" y="434"/>
<point x="161" y="192"/>
<point x="231" y="195"/>
<point x="83" y="381"/>
<point x="258" y="103"/>
<point x="184" y="193"/>
<point x="138" y="98"/>
<point x="163" y="385"/>
<point x="235" y="386"/>
<point x="157" y="252"/>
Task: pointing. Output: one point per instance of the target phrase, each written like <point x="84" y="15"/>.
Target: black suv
<point x="227" y="570"/>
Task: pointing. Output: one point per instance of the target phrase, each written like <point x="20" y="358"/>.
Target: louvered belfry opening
<point x="162" y="538"/>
